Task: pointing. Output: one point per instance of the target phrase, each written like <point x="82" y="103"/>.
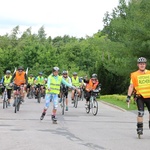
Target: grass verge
<point x="119" y="100"/>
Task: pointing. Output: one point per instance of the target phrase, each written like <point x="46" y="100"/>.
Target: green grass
<point x="119" y="100"/>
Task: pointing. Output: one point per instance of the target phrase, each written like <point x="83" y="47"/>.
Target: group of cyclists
<point x="51" y="87"/>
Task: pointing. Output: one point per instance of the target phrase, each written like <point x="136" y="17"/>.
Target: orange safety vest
<point x="141" y="82"/>
<point x="19" y="78"/>
<point x="90" y="86"/>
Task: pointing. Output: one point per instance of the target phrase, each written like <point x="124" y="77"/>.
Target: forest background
<point x="111" y="53"/>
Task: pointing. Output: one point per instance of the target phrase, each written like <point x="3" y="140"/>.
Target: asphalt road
<point x="111" y="129"/>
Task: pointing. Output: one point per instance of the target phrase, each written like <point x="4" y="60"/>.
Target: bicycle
<point x="4" y="97"/>
<point x="39" y="93"/>
<point x="31" y="92"/>
<point x="64" y="90"/>
<point x="92" y="103"/>
<point x="82" y="94"/>
<point x="76" y="98"/>
<point x="18" y="98"/>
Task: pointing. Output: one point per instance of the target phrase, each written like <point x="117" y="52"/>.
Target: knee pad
<point x="140" y="113"/>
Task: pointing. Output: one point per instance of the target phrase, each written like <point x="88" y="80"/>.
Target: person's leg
<point x="140" y="105"/>
<point x="55" y="105"/>
<point x="66" y="94"/>
<point x="72" y="95"/>
<point x="147" y="102"/>
<point x="47" y="103"/>
<point x="9" y="95"/>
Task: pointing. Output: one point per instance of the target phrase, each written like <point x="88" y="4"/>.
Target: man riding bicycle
<point x="6" y="80"/>
<point x="19" y="78"/>
<point x="39" y="82"/>
<point x="30" y="83"/>
<point x="67" y="79"/>
<point x="90" y="85"/>
<point x="77" y="83"/>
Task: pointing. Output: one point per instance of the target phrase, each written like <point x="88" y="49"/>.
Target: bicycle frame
<point x="5" y="98"/>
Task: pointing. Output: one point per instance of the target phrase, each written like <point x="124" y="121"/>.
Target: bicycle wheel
<point x="76" y="101"/>
<point x="82" y="95"/>
<point x="88" y="107"/>
<point x="16" y="103"/>
<point x="95" y="107"/>
<point x="4" y="103"/>
<point x="63" y="105"/>
<point x="39" y="97"/>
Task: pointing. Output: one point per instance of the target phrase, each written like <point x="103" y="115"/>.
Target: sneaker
<point x="54" y="118"/>
<point x="66" y="108"/>
<point x="72" y="101"/>
<point x="42" y="116"/>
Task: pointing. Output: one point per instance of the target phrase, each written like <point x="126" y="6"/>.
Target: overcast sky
<point x="59" y="17"/>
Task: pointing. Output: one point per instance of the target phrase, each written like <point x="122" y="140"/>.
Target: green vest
<point x="75" y="82"/>
<point x="40" y="80"/>
<point x="54" y="84"/>
<point x="30" y="81"/>
<point x="7" y="81"/>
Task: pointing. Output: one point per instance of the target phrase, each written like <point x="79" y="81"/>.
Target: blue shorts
<point x="53" y="98"/>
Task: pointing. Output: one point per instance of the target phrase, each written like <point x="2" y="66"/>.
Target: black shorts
<point x="141" y="102"/>
<point x="28" y="86"/>
<point x="16" y="87"/>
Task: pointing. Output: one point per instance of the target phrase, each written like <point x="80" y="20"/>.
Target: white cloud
<point x="59" y="17"/>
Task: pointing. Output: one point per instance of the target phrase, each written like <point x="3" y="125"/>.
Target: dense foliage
<point x="111" y="53"/>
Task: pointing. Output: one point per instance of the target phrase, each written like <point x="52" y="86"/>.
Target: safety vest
<point x="141" y="83"/>
<point x="31" y="80"/>
<point x="19" y="78"/>
<point x="40" y="80"/>
<point x="7" y="81"/>
<point x="75" y="82"/>
<point x="54" y="84"/>
<point x="90" y="86"/>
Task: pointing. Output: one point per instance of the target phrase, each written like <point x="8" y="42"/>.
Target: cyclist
<point x="77" y="82"/>
<point x="53" y="88"/>
<point x="5" y="81"/>
<point x="63" y="86"/>
<point x="30" y="83"/>
<point x="90" y="85"/>
<point x="20" y="78"/>
<point x="39" y="82"/>
<point x="140" y="82"/>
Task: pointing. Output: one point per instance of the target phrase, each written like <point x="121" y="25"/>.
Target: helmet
<point x="8" y="72"/>
<point x="45" y="79"/>
<point x="142" y="60"/>
<point x="65" y="72"/>
<point x="55" y="69"/>
<point x="75" y="74"/>
<point x="40" y="73"/>
<point x="94" y="76"/>
<point x="20" y="68"/>
<point x="31" y="75"/>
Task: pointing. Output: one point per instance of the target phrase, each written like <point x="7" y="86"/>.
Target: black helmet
<point x="40" y="73"/>
<point x="94" y="76"/>
<point x="55" y="69"/>
<point x="20" y="68"/>
<point x="75" y="74"/>
<point x="142" y="60"/>
<point x="65" y="72"/>
<point x="8" y="72"/>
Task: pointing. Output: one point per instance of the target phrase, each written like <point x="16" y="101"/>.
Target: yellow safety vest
<point x="54" y="84"/>
<point x="7" y="81"/>
<point x="75" y="82"/>
<point x="30" y="80"/>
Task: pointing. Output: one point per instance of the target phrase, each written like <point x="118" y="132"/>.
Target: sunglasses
<point x="20" y="70"/>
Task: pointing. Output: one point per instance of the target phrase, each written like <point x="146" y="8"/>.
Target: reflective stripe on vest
<point x="75" y="82"/>
<point x="54" y="84"/>
<point x="141" y="83"/>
